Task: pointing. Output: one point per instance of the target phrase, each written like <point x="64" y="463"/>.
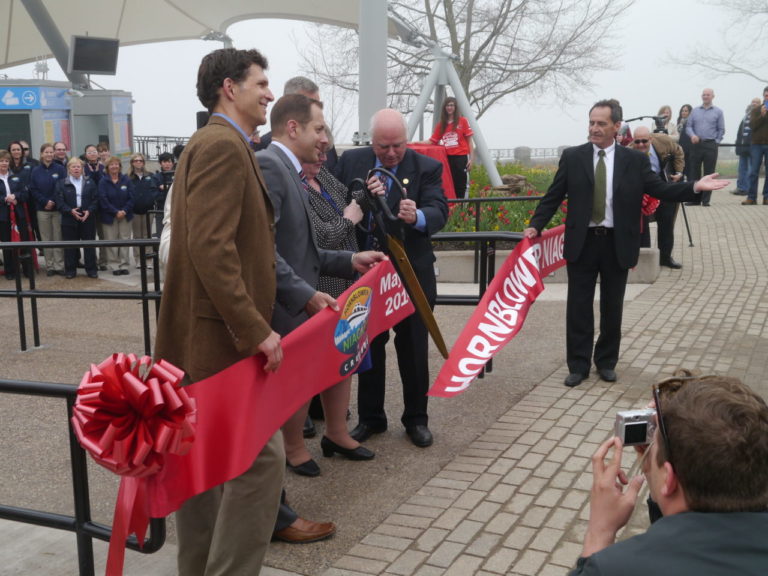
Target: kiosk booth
<point x="41" y="111"/>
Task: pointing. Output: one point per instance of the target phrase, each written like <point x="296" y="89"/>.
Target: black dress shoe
<point x="705" y="204"/>
<point x="93" y="274"/>
<point x="102" y="268"/>
<point x="420" y="435"/>
<point x="607" y="374"/>
<point x="308" y="468"/>
<point x="50" y="273"/>
<point x="574" y="379"/>
<point x="69" y="275"/>
<point x="693" y="203"/>
<point x="359" y="453"/>
<point x="10" y="277"/>
<point x="309" y="428"/>
<point x="117" y="272"/>
<point x="363" y="431"/>
<point x="670" y="263"/>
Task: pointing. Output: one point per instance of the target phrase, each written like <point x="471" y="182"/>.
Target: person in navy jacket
<point x="77" y="199"/>
<point x="42" y="185"/>
<point x="145" y="197"/>
<point x="13" y="194"/>
<point x="116" y="213"/>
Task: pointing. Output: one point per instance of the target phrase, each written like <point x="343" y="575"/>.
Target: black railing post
<point x="82" y="500"/>
<point x="20" y="300"/>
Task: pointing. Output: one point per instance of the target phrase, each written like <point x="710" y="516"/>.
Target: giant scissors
<point x="394" y="246"/>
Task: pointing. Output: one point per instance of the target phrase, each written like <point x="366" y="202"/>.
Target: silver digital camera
<point x="636" y="427"/>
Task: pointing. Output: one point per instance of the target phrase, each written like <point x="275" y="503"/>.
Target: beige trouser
<point x="226" y="530"/>
<point x="49" y="222"/>
<point x="117" y="257"/>
<point x="139" y="226"/>
<point x="100" y="235"/>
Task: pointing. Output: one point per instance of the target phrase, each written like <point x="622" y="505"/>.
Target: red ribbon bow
<point x="129" y="413"/>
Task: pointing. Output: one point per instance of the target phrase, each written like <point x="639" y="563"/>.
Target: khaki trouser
<point x="139" y="227"/>
<point x="117" y="257"/>
<point x="226" y="530"/>
<point x="49" y="222"/>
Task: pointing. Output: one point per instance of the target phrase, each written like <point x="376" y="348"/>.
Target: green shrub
<point x="507" y="216"/>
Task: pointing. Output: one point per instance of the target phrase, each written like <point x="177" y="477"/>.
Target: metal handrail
<point x="81" y="523"/>
<point x="33" y="293"/>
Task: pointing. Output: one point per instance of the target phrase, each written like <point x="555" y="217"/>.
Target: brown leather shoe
<point x="749" y="202"/>
<point x="305" y="531"/>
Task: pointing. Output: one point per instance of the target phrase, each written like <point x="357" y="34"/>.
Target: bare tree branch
<point x="504" y="47"/>
<point x="741" y="52"/>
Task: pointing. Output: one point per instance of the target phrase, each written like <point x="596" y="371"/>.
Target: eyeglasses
<point x="642" y="141"/>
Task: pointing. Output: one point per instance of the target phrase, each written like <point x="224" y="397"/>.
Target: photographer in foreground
<point x="707" y="469"/>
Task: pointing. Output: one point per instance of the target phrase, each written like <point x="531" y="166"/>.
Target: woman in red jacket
<point x="454" y="133"/>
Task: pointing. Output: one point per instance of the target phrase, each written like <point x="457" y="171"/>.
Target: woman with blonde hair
<point x="669" y="125"/>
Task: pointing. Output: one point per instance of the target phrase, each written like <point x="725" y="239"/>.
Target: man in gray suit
<point x="707" y="469"/>
<point x="298" y="136"/>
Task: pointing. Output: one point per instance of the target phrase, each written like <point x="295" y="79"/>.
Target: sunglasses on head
<point x="644" y="141"/>
<point x="25" y="149"/>
<point x="667" y="388"/>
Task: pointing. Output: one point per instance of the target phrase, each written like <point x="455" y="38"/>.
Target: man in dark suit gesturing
<point x="604" y="184"/>
<point x="422" y="213"/>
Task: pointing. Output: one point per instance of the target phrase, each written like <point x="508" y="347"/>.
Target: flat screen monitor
<point x="89" y="55"/>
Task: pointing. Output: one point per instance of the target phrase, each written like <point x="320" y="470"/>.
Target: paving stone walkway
<point x="514" y="500"/>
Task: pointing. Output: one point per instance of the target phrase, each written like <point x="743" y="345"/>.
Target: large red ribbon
<point x="502" y="310"/>
<point x="238" y="409"/>
<point x="232" y="428"/>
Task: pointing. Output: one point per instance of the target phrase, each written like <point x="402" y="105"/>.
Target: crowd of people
<point x="307" y="236"/>
<point x="57" y="197"/>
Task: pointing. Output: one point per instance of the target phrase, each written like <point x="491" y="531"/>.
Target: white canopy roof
<point x="145" y="21"/>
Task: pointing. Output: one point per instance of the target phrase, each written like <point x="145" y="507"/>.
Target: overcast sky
<point x="161" y="77"/>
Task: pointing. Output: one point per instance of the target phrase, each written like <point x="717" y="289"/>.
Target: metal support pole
<point x="52" y="36"/>
<point x="372" y="35"/>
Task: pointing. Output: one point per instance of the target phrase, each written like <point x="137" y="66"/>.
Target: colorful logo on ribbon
<point x="350" y="334"/>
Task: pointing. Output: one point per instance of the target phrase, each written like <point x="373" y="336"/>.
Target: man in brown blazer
<point x="218" y="298"/>
<point x="668" y="161"/>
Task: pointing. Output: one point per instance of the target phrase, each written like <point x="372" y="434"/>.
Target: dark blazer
<point x="220" y="279"/>
<point x="705" y="543"/>
<point x="425" y="187"/>
<point x="42" y="182"/>
<point x="299" y="261"/>
<point x="66" y="199"/>
<point x="632" y="177"/>
<point x="18" y="189"/>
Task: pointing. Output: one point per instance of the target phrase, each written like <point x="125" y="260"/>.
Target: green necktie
<point x="598" y="200"/>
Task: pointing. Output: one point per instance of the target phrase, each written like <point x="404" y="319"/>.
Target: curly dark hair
<point x="220" y="65"/>
<point x="717" y="431"/>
